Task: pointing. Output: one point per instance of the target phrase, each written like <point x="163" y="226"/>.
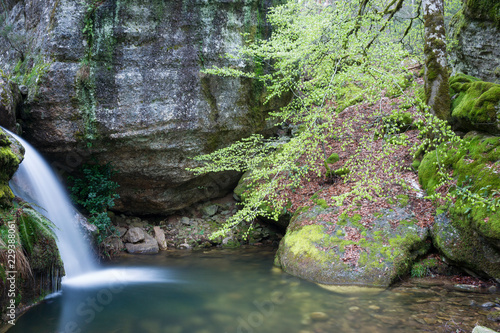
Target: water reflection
<point x="239" y="291"/>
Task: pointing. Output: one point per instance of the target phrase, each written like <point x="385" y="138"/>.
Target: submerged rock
<point x="346" y="252"/>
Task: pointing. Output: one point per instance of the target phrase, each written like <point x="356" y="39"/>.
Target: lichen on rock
<point x="347" y="252"/>
<point x="476" y="35"/>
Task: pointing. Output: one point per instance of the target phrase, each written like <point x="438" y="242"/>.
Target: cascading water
<point x="35" y="182"/>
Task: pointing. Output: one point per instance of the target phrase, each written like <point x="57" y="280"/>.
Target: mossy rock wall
<point x="347" y="253"/>
<point x="129" y="91"/>
<point x="475" y="104"/>
<point x="11" y="154"/>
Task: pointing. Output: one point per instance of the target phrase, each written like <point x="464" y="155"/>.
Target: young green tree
<point x="328" y="57"/>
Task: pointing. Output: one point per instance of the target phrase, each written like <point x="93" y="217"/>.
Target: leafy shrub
<point x="95" y="191"/>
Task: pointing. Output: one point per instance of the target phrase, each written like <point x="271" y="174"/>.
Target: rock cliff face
<point x="476" y="36"/>
<point x="121" y="82"/>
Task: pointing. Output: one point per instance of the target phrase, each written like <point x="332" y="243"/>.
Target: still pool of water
<point x="239" y="291"/>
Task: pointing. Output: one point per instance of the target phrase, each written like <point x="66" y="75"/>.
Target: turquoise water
<point x="239" y="291"/>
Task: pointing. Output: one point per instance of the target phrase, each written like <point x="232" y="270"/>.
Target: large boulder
<point x="123" y="85"/>
<point x="346" y="252"/>
<point x="476" y="35"/>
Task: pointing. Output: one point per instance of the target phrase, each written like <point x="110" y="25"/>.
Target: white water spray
<point x="35" y="182"/>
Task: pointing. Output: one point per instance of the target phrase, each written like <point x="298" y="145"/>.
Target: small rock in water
<point x="185" y="246"/>
<point x="276" y="270"/>
<point x="465" y="287"/>
<point x="488" y="305"/>
<point x="354" y="308"/>
<point x="374" y="307"/>
<point x="318" y="316"/>
<point x="492" y="289"/>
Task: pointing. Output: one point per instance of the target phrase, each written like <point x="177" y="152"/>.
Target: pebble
<point x="465" y="287"/>
<point x="354" y="308"/>
<point x="318" y="316"/>
<point x="374" y="307"/>
<point x="430" y="321"/>
<point x="488" y="305"/>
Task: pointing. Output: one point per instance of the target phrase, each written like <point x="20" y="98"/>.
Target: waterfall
<point x="35" y="182"/>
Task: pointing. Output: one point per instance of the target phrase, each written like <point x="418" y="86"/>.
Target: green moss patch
<point x="476" y="104"/>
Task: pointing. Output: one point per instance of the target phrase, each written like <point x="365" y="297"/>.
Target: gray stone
<point x="148" y="246"/>
<point x="184" y="246"/>
<point x="10" y="97"/>
<point x="210" y="210"/>
<point x="121" y="231"/>
<point x="160" y="238"/>
<point x="476" y="38"/>
<point x="185" y="220"/>
<point x="134" y="235"/>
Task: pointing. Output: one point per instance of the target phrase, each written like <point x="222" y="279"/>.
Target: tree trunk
<point x="436" y="66"/>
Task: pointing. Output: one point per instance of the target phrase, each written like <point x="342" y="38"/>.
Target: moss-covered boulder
<point x="471" y="237"/>
<point x="476" y="104"/>
<point x="11" y="154"/>
<point x="344" y="251"/>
